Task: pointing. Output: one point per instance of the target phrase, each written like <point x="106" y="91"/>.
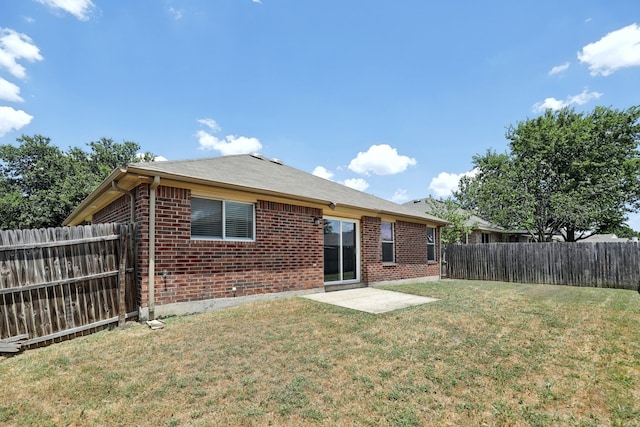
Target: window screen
<point x="208" y="217"/>
<point x="238" y="220"/>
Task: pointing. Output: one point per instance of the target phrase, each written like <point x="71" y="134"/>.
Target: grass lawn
<point x="485" y="354"/>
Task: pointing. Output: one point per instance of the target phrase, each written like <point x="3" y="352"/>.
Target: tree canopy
<point x="40" y="184"/>
<point x="564" y="172"/>
<point x="460" y="224"/>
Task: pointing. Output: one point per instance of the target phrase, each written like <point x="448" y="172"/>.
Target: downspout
<point x="152" y="246"/>
<point x="440" y="260"/>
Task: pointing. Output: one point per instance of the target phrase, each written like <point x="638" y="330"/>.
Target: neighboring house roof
<point x="250" y="173"/>
<point x="605" y="238"/>
<point x="478" y="223"/>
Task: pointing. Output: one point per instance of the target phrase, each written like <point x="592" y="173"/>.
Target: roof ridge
<point x="194" y="159"/>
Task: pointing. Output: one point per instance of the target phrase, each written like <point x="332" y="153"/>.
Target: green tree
<point x="106" y="155"/>
<point x="40" y="184"/>
<point x="565" y="172"/>
<point x="622" y="231"/>
<point x="460" y="223"/>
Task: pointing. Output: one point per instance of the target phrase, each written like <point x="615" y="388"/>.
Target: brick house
<point x="483" y="231"/>
<point x="210" y="230"/>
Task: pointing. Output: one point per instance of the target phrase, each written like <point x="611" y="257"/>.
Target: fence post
<point x="122" y="274"/>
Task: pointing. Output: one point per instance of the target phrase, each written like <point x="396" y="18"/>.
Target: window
<point x="219" y="219"/>
<point x="486" y="238"/>
<point x="386" y="229"/>
<point x="431" y="244"/>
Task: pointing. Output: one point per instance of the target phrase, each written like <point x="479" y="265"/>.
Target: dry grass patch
<point x="485" y="354"/>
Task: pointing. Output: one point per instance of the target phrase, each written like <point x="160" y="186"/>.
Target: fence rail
<point x="603" y="265"/>
<point x="61" y="281"/>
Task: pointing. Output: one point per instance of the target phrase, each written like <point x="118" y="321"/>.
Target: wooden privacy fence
<point x="603" y="265"/>
<point x="58" y="282"/>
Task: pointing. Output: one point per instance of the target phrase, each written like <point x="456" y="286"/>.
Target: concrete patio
<point x="370" y="300"/>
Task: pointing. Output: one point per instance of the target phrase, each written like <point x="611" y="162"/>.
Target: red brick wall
<point x="371" y="247"/>
<point x="287" y="254"/>
<point x="118" y="211"/>
<point x="410" y="242"/>
<point x="410" y="252"/>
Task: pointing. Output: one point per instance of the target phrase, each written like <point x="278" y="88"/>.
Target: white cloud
<point x="176" y="14"/>
<point x="322" y="172"/>
<point x="11" y="119"/>
<point x="552" y="103"/>
<point x="381" y="160"/>
<point x="78" y="8"/>
<point x="257" y="1"/>
<point x="15" y="46"/>
<point x="445" y="183"/>
<point x="400" y="196"/>
<point x="231" y="144"/>
<point x="356" y="183"/>
<point x="618" y="49"/>
<point x="211" y="124"/>
<point x="583" y="97"/>
<point x="559" y="68"/>
<point x="9" y="91"/>
<point x="556" y="104"/>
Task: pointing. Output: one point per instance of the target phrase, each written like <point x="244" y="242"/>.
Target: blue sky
<point x="389" y="97"/>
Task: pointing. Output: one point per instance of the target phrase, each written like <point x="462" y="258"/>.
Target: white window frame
<point x="433" y="244"/>
<point x="224" y="227"/>
<point x="358" y="251"/>
<point x="392" y="242"/>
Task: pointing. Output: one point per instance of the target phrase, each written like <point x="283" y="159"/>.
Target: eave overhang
<point x="130" y="177"/>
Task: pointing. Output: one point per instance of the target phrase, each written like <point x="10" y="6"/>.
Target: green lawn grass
<point x="485" y="354"/>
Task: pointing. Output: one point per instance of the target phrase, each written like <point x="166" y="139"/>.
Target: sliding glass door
<point x="341" y="252"/>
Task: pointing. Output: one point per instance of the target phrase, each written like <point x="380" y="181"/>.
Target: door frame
<point x="356" y="222"/>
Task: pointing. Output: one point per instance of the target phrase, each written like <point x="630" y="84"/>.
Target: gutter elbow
<point x="155" y="183"/>
<point x="132" y="199"/>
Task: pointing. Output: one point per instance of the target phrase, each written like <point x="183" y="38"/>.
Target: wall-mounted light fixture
<point x="332" y="206"/>
<point x="316" y="220"/>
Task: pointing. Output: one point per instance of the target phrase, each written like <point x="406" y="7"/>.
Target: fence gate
<point x="58" y="282"/>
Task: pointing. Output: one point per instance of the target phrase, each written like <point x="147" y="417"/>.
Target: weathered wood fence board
<point x="60" y="281"/>
<point x="603" y="265"/>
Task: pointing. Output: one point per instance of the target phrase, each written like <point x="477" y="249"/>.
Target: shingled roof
<point x="257" y="174"/>
<point x="478" y="223"/>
